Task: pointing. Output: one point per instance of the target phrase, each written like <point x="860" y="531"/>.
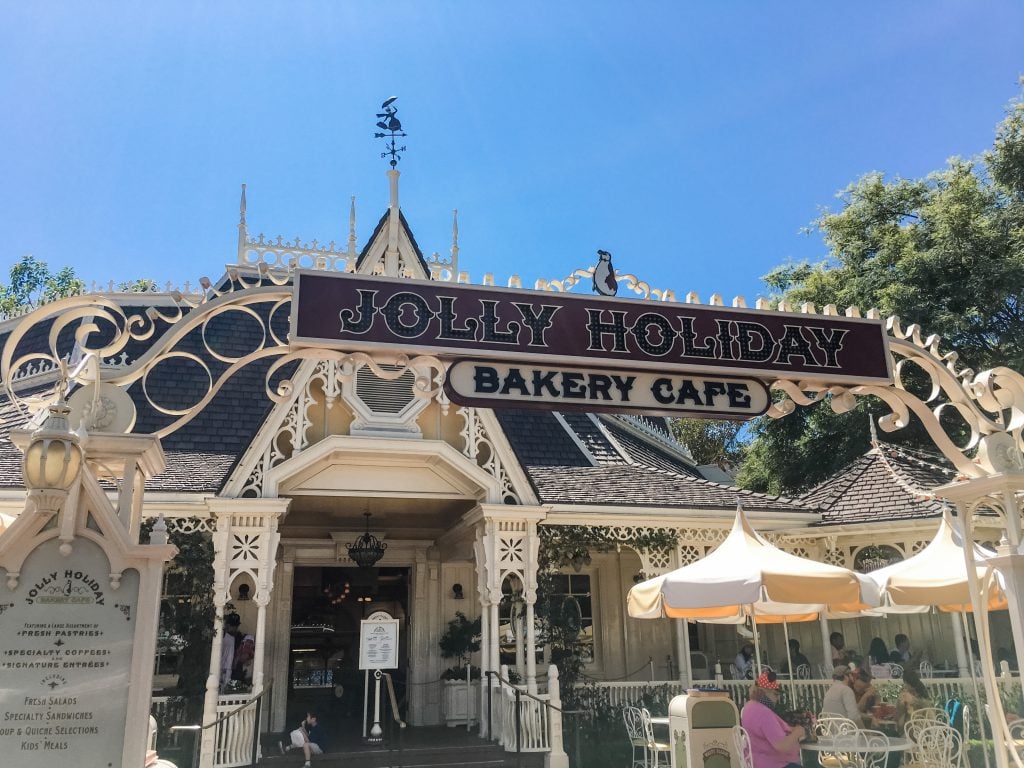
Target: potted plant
<point x="460" y="640"/>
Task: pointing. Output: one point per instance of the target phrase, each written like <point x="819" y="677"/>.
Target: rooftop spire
<point x="352" y="229"/>
<point x="243" y="232"/>
<point x="455" y="243"/>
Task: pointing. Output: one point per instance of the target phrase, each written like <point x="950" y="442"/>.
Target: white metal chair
<point x="895" y="671"/>
<point x="655" y="748"/>
<point x="1017" y="737"/>
<point x="862" y="749"/>
<point x="937" y="715"/>
<point x="634" y="720"/>
<point x="938" y="746"/>
<point x="925" y="669"/>
<point x="741" y="739"/>
<point x="803" y="671"/>
<point x="834" y="727"/>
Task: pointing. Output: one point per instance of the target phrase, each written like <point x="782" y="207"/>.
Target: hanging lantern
<point x="367" y="549"/>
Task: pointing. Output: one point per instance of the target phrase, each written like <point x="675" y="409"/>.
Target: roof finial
<point x="874" y="433"/>
<point x="390" y="123"/>
<point x="455" y="243"/>
<point x="243" y="232"/>
<point x="352" y="228"/>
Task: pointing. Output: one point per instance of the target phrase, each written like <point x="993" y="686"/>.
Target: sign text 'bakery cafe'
<point x="534" y="330"/>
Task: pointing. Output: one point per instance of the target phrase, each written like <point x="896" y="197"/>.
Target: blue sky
<point x="692" y="140"/>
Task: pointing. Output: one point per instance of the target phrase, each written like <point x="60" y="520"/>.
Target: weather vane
<point x="390" y="123"/>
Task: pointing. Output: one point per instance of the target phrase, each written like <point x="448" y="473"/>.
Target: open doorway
<point x="328" y="604"/>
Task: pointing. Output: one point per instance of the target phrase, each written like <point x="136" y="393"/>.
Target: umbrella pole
<point x="757" y="642"/>
<point x="789" y="660"/>
<point x="974" y="682"/>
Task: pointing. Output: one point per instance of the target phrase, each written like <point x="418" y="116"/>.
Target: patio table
<point x="857" y="743"/>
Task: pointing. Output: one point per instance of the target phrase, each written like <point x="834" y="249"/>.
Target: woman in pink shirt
<point x="773" y="743"/>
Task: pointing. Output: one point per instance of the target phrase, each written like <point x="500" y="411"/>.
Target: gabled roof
<point x="378" y="232"/>
<point x="886" y="483"/>
<point x="558" y="456"/>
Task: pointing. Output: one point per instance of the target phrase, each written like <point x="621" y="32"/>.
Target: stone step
<point x="450" y="757"/>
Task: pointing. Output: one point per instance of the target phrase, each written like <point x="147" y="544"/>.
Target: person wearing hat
<point x="773" y="743"/>
<point x="840" y="698"/>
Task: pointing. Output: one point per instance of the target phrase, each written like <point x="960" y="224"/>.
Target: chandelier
<point x="367" y="549"/>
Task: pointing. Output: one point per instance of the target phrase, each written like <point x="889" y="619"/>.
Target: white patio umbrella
<point x="747" y="576"/>
<point x="937" y="577"/>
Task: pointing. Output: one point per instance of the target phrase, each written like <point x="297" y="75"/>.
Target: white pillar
<point x="825" y="644"/>
<point x="556" y="757"/>
<point x="531" y="645"/>
<point x="261" y="644"/>
<point x="962" y="657"/>
<point x="683" y="651"/>
<point x="391" y="254"/>
<point x="212" y="688"/>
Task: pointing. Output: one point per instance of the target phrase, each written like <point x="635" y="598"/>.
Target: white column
<point x="683" y="651"/>
<point x="531" y="644"/>
<point x="212" y="688"/>
<point x="962" y="657"/>
<point x="825" y="644"/>
<point x="556" y="757"/>
<point x="281" y="628"/>
<point x="261" y="633"/>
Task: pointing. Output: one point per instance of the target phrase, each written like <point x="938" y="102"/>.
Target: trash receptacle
<point x="700" y="727"/>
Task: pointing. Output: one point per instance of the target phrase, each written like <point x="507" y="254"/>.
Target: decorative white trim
<point x="575" y="438"/>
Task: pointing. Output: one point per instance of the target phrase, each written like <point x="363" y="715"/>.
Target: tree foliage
<point x="945" y="251"/>
<point x="712" y="442"/>
<point x="31" y="283"/>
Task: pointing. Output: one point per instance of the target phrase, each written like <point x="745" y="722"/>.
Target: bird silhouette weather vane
<point x="391" y="128"/>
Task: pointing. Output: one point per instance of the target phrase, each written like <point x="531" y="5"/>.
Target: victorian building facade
<point x="284" y="458"/>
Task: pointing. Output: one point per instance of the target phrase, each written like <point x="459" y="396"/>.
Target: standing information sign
<point x="378" y="650"/>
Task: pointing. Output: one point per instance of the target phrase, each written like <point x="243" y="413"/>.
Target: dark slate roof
<point x="408" y="231"/>
<point x="887" y="483"/>
<point x="561" y="473"/>
<point x="634" y="484"/>
<point x="593" y="438"/>
<point x="649" y="453"/>
<point x="201" y="454"/>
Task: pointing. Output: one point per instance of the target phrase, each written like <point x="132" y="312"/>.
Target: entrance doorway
<point x="328" y="604"/>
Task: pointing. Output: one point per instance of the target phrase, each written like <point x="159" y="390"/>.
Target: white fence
<point x="234" y="738"/>
<point x="805" y="694"/>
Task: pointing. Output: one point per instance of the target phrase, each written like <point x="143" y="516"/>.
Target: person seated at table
<point x="840" y="653"/>
<point x="840" y="698"/>
<point x="877" y="651"/>
<point x="798" y="658"/>
<point x="744" y="662"/>
<point x="902" y="653"/>
<point x="867" y="695"/>
<point x="913" y="697"/>
<point x="773" y="743"/>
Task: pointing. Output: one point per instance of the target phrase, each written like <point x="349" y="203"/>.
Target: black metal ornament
<point x="392" y="129"/>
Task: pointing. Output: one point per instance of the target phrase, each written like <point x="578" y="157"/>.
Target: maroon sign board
<point x="449" y="320"/>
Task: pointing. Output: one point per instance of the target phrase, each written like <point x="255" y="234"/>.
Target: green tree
<point x="712" y="442"/>
<point x="946" y="252"/>
<point x="31" y="283"/>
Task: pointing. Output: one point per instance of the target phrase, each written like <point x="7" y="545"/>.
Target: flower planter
<point x="459" y="704"/>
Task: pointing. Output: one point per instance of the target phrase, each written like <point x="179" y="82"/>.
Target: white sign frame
<point x="378" y="642"/>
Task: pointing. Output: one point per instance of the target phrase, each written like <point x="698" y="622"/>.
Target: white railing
<point x="234" y="737"/>
<point x="533" y="722"/>
<point x="805" y="694"/>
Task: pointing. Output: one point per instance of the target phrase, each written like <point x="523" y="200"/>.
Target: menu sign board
<point x="65" y="658"/>
<point x="378" y="643"/>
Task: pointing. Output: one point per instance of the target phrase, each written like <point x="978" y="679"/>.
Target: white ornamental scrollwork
<point x="989" y="403"/>
<point x="632" y="282"/>
<point x="478" y="446"/>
